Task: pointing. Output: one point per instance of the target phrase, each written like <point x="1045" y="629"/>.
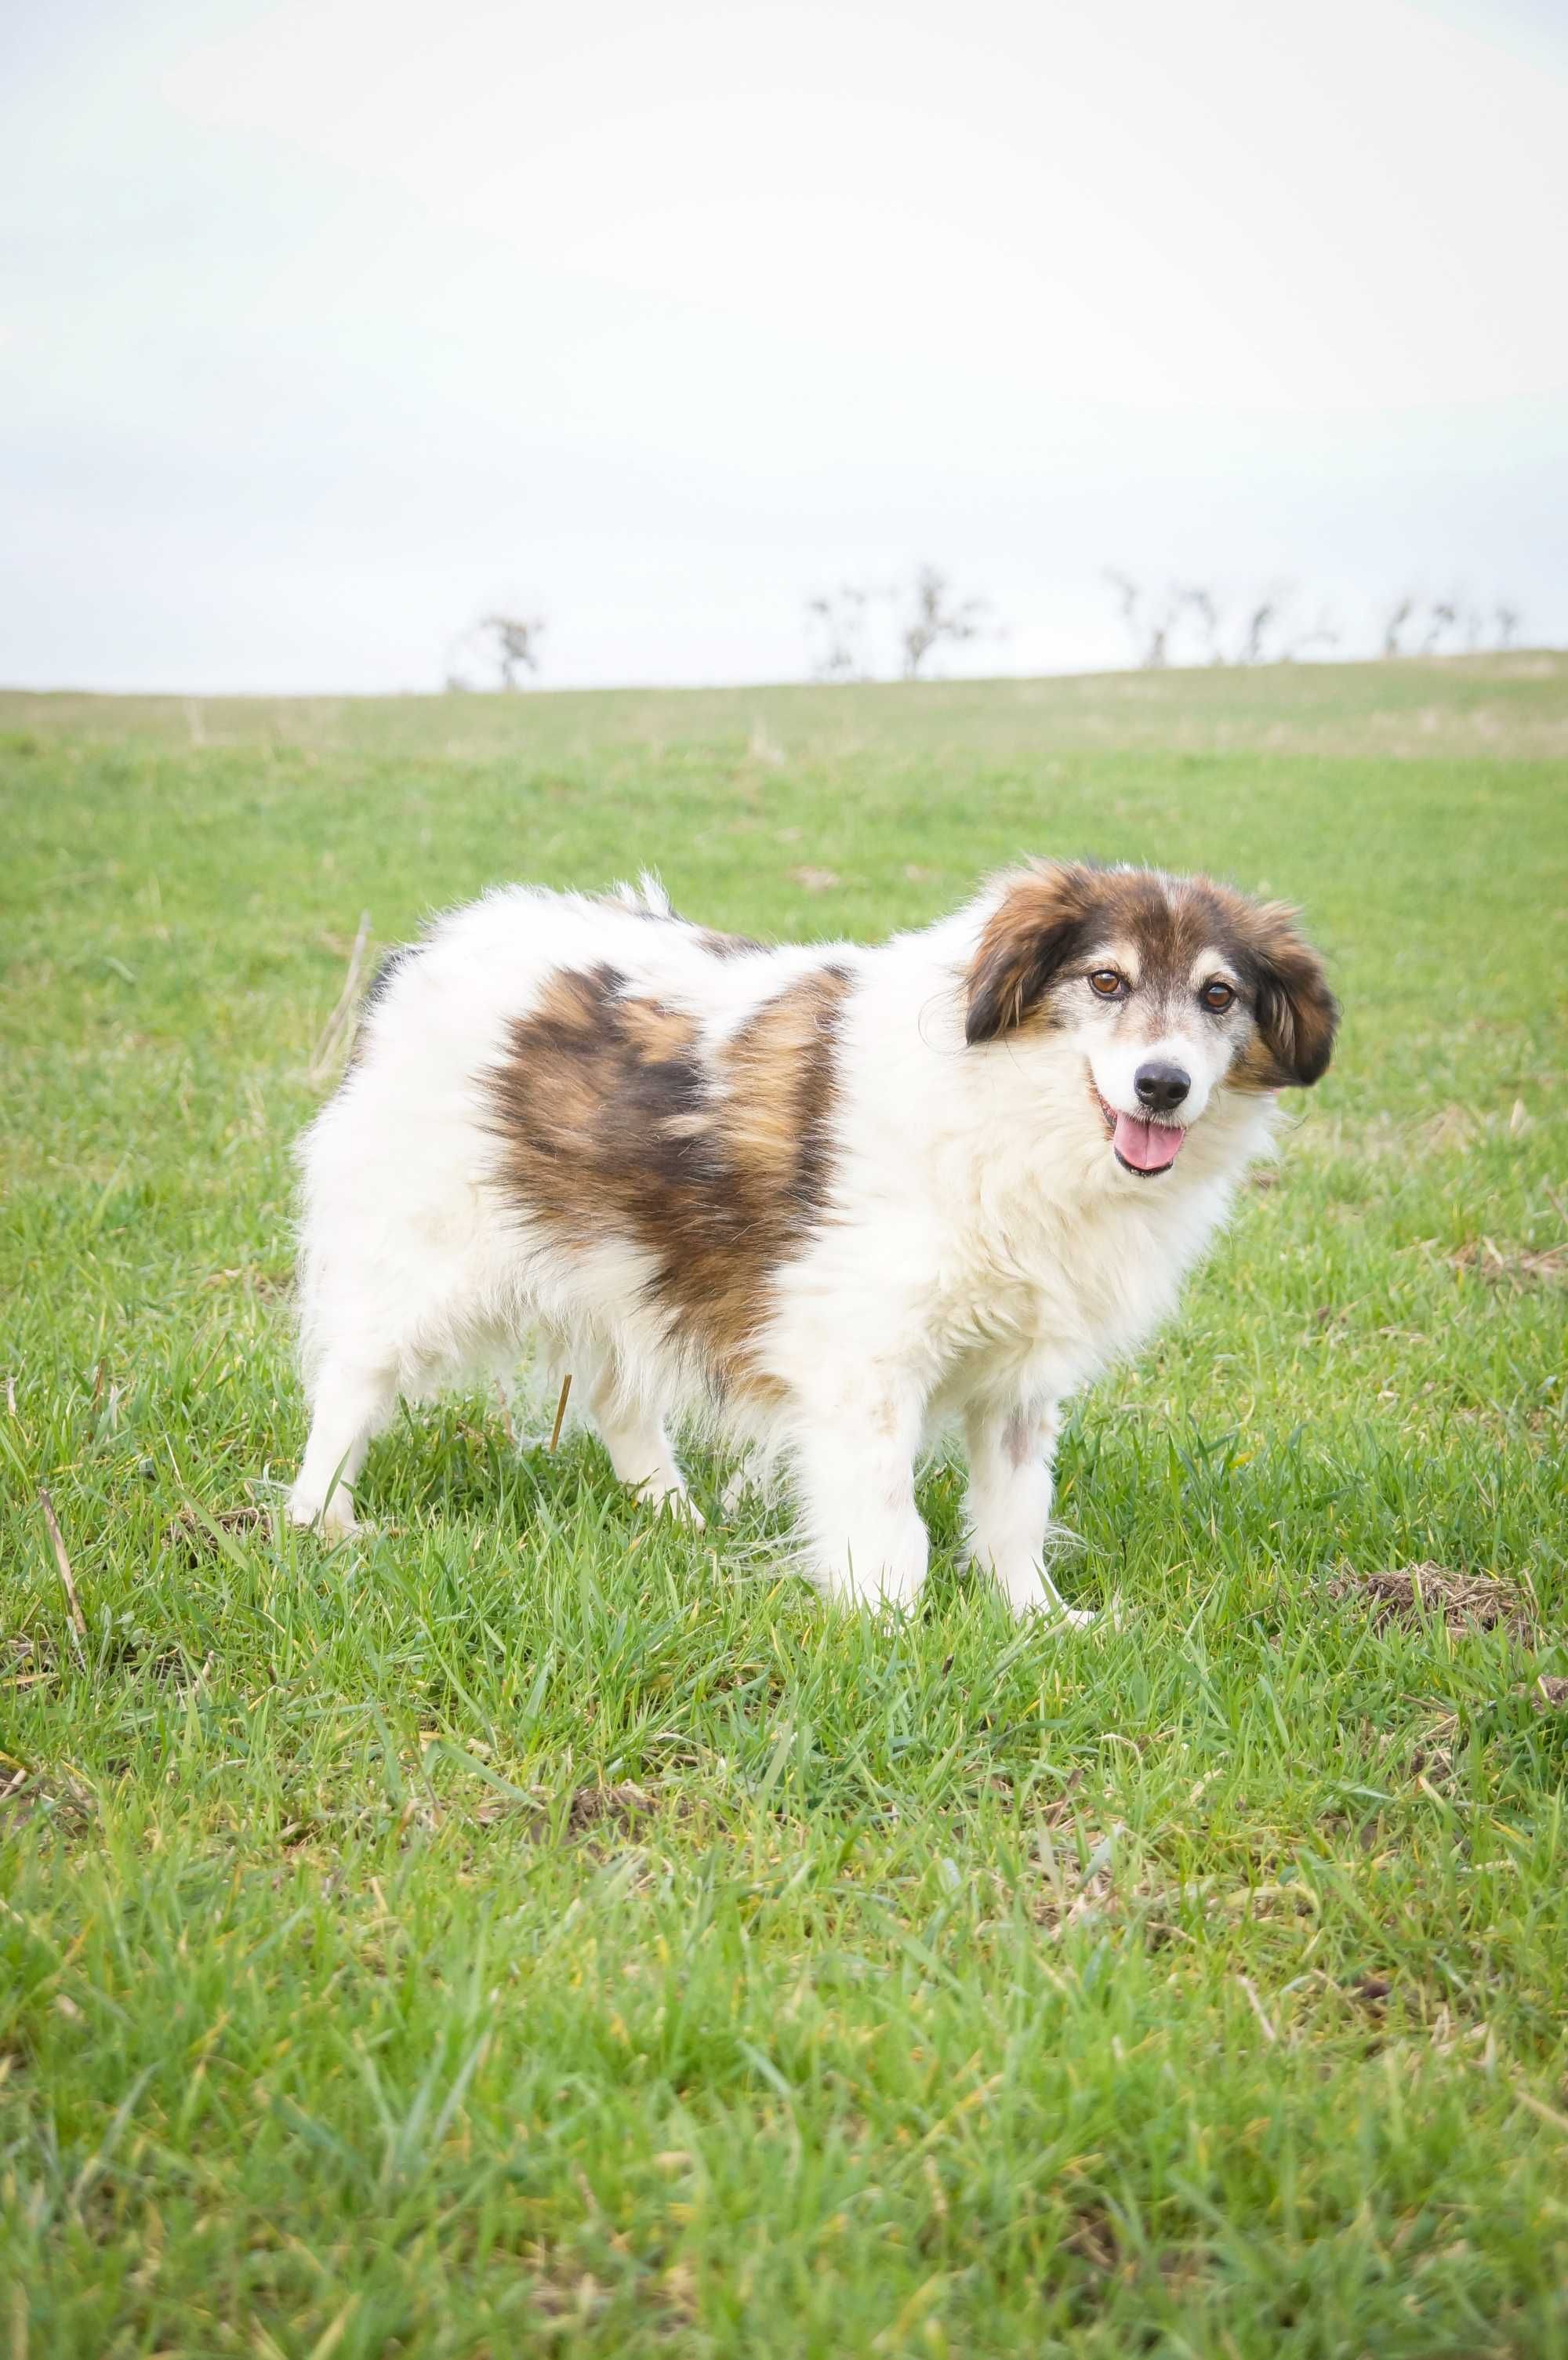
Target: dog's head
<point x="1173" y="988"/>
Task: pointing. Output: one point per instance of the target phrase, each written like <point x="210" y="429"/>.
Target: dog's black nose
<point x="1160" y="1086"/>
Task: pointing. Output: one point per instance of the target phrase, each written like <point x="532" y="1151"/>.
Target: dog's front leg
<point x="854" y="1466"/>
<point x="1007" y="1508"/>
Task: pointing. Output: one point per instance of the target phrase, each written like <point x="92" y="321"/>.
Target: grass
<point x="536" y="1929"/>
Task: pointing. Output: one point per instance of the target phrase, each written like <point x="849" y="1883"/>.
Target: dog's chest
<point x="1069" y="1288"/>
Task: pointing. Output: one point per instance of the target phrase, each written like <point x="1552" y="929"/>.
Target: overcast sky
<point x="326" y="326"/>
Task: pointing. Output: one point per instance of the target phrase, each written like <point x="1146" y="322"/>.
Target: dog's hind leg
<point x="348" y="1404"/>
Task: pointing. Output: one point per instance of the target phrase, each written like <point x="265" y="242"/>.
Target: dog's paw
<point x="868" y="1597"/>
<point x="336" y="1522"/>
<point x="670" y="1500"/>
<point x="1037" y="1598"/>
<point x="1055" y="1615"/>
<point x="886" y="1589"/>
<point x="1029" y="1591"/>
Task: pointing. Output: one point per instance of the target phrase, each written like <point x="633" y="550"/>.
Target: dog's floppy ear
<point x="1034" y="929"/>
<point x="1296" y="1012"/>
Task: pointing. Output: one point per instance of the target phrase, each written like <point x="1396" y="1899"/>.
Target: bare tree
<point x="1442" y="618"/>
<point x="1449" y="619"/>
<point x="1203" y="606"/>
<point x="937" y="620"/>
<point x="836" y="619"/>
<point x="1150" y="627"/>
<point x="514" y="643"/>
<point x="1194" y="623"/>
<point x="508" y="644"/>
<point x="1263" y="614"/>
<point x="1398" y="616"/>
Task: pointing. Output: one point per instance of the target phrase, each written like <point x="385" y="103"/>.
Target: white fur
<point x="983" y="1256"/>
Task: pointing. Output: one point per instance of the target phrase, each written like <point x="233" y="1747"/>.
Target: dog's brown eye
<point x="1107" y="983"/>
<point x="1217" y="997"/>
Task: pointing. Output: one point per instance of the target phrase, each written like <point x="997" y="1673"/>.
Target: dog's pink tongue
<point x="1148" y="1146"/>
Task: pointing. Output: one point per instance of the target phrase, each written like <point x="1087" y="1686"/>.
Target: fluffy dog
<point x="836" y="1198"/>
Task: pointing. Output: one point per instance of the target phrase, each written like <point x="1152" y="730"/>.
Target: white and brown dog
<point x="834" y="1197"/>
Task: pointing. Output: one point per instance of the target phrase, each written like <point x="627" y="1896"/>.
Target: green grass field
<point x="533" y="1929"/>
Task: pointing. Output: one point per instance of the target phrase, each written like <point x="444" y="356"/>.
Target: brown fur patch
<point x="1296" y="1014"/>
<point x="779" y="1072"/>
<point x="725" y="946"/>
<point x="1042" y="920"/>
<point x="616" y="1125"/>
<point x="1050" y="916"/>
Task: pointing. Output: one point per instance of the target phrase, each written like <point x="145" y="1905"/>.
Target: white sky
<point x="327" y="324"/>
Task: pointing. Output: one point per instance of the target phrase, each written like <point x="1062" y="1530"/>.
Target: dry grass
<point x="1516" y="1266"/>
<point x="1460" y="1601"/>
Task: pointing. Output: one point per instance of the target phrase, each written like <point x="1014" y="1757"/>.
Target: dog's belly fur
<point x="769" y="1187"/>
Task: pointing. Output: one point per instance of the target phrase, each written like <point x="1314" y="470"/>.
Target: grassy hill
<point x="528" y="1928"/>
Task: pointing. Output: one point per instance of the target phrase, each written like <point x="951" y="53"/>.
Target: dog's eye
<point x="1107" y="983"/>
<point x="1217" y="997"/>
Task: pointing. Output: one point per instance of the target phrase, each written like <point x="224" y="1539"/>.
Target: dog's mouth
<point x="1140" y="1147"/>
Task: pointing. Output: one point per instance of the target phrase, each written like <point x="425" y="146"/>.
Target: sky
<point x="327" y="326"/>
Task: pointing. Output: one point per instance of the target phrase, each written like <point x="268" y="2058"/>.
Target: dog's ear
<point x="1034" y="929"/>
<point x="1297" y="1014"/>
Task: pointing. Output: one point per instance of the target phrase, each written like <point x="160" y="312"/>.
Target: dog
<point x="837" y="1198"/>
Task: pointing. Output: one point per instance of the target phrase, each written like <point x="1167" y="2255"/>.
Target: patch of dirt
<point x="1378" y="1993"/>
<point x="1092" y="2237"/>
<point x="1465" y="1601"/>
<point x="192" y="1535"/>
<point x="815" y="880"/>
<point x="1515" y="1266"/>
<point x="1430" y="1760"/>
<point x="1074" y="1890"/>
<point x="1549" y="1694"/>
<point x="27" y="1789"/>
<point x="617" y="1813"/>
<point x="1434" y="1764"/>
<point x="622" y="1809"/>
<point x="1061" y="1810"/>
